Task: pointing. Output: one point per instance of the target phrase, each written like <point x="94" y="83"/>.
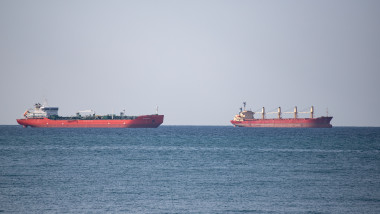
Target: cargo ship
<point x="47" y="117"/>
<point x="246" y="118"/>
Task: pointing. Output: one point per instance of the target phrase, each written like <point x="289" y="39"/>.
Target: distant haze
<point x="197" y="60"/>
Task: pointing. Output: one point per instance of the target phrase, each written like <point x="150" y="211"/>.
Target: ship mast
<point x="307" y="112"/>
<point x="278" y="112"/>
<point x="295" y="112"/>
<point x="263" y="113"/>
<point x="312" y="112"/>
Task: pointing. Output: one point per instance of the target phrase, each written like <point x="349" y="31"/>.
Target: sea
<point x="190" y="169"/>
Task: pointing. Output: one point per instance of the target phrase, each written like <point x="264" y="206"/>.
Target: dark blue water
<point x="190" y="170"/>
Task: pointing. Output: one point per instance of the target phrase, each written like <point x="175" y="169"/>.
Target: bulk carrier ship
<point x="44" y="116"/>
<point x="245" y="118"/>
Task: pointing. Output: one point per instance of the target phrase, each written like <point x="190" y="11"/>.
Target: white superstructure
<point x="41" y="111"/>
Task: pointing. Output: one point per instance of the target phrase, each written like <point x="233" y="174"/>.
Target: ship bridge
<point x="41" y="111"/>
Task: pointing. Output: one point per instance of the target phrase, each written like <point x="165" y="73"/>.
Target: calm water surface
<point x="190" y="169"/>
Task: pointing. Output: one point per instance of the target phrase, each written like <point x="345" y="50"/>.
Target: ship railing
<point x="96" y="117"/>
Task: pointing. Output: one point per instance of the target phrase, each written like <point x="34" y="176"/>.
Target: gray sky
<point x="197" y="60"/>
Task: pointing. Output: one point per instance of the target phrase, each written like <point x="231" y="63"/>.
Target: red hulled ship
<point x="245" y="118"/>
<point x="44" y="116"/>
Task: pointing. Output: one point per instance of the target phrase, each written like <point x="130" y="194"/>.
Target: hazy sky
<point x="197" y="60"/>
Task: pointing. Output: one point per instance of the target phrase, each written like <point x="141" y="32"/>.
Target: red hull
<point x="320" y="122"/>
<point x="145" y="121"/>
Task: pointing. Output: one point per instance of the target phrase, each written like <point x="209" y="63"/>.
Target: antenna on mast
<point x="157" y="109"/>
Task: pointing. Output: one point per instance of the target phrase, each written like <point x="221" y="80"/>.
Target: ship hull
<point x="320" y="122"/>
<point x="145" y="121"/>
